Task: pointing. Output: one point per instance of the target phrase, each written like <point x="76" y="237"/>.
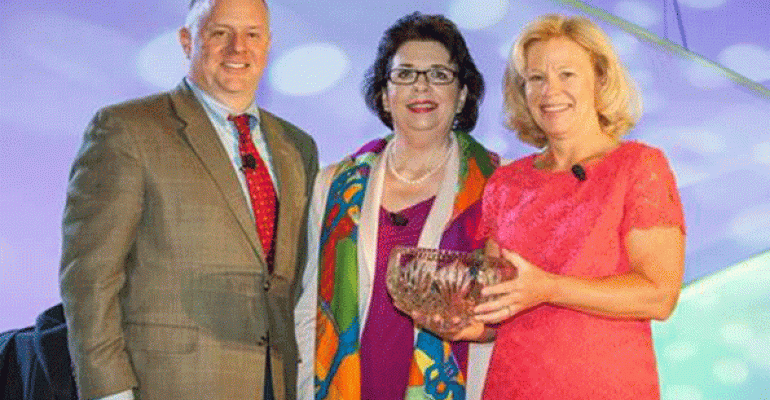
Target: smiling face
<point x="423" y="111"/>
<point x="228" y="51"/>
<point x="560" y="87"/>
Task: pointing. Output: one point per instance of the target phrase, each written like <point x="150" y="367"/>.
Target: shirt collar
<point x="218" y="110"/>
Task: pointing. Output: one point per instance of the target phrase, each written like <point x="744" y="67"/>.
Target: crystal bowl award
<point x="438" y="289"/>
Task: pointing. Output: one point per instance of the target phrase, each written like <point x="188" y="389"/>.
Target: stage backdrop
<point x="703" y="68"/>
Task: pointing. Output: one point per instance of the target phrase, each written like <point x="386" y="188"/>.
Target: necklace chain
<point x="389" y="161"/>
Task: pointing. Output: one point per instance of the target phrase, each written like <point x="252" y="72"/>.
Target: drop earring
<point x="456" y="121"/>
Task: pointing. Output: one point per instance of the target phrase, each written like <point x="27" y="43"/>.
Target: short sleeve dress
<point x="577" y="228"/>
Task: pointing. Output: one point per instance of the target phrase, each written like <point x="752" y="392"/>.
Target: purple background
<point x="708" y="108"/>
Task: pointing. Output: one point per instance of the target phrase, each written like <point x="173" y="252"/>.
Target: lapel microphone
<point x="579" y="172"/>
<point x="249" y="162"/>
<point x="398" y="219"/>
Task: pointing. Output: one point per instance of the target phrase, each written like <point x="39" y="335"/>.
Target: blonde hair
<point x="618" y="104"/>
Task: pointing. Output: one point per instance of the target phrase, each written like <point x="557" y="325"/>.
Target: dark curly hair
<point x="417" y="26"/>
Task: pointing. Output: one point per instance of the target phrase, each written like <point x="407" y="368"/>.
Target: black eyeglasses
<point x="435" y="75"/>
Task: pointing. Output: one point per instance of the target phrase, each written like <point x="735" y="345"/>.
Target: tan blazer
<point x="163" y="279"/>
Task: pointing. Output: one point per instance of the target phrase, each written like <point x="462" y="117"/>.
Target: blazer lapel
<point x="290" y="173"/>
<point x="197" y="129"/>
<point x="368" y="227"/>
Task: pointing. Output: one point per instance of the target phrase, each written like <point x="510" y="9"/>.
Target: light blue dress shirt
<point x="228" y="134"/>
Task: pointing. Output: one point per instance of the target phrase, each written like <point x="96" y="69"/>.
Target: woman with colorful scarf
<point x="420" y="186"/>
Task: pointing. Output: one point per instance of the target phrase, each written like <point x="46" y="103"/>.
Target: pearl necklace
<point x="389" y="161"/>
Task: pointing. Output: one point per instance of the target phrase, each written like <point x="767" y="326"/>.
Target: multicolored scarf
<point x="434" y="372"/>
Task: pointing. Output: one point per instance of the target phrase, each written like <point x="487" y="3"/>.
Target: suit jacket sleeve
<point x="102" y="212"/>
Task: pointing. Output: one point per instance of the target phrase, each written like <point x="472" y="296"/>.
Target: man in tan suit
<point x="165" y="280"/>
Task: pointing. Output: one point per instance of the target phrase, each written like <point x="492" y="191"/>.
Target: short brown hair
<point x="423" y="27"/>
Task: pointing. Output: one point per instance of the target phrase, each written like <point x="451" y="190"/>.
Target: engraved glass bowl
<point x="438" y="289"/>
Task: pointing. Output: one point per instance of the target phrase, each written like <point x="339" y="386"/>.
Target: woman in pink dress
<point x="593" y="224"/>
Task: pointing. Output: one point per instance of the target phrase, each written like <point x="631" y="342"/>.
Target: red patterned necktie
<point x="261" y="191"/>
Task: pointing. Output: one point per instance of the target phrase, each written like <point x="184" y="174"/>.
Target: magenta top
<point x="387" y="341"/>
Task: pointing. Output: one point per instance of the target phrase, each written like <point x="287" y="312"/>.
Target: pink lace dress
<point x="577" y="228"/>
